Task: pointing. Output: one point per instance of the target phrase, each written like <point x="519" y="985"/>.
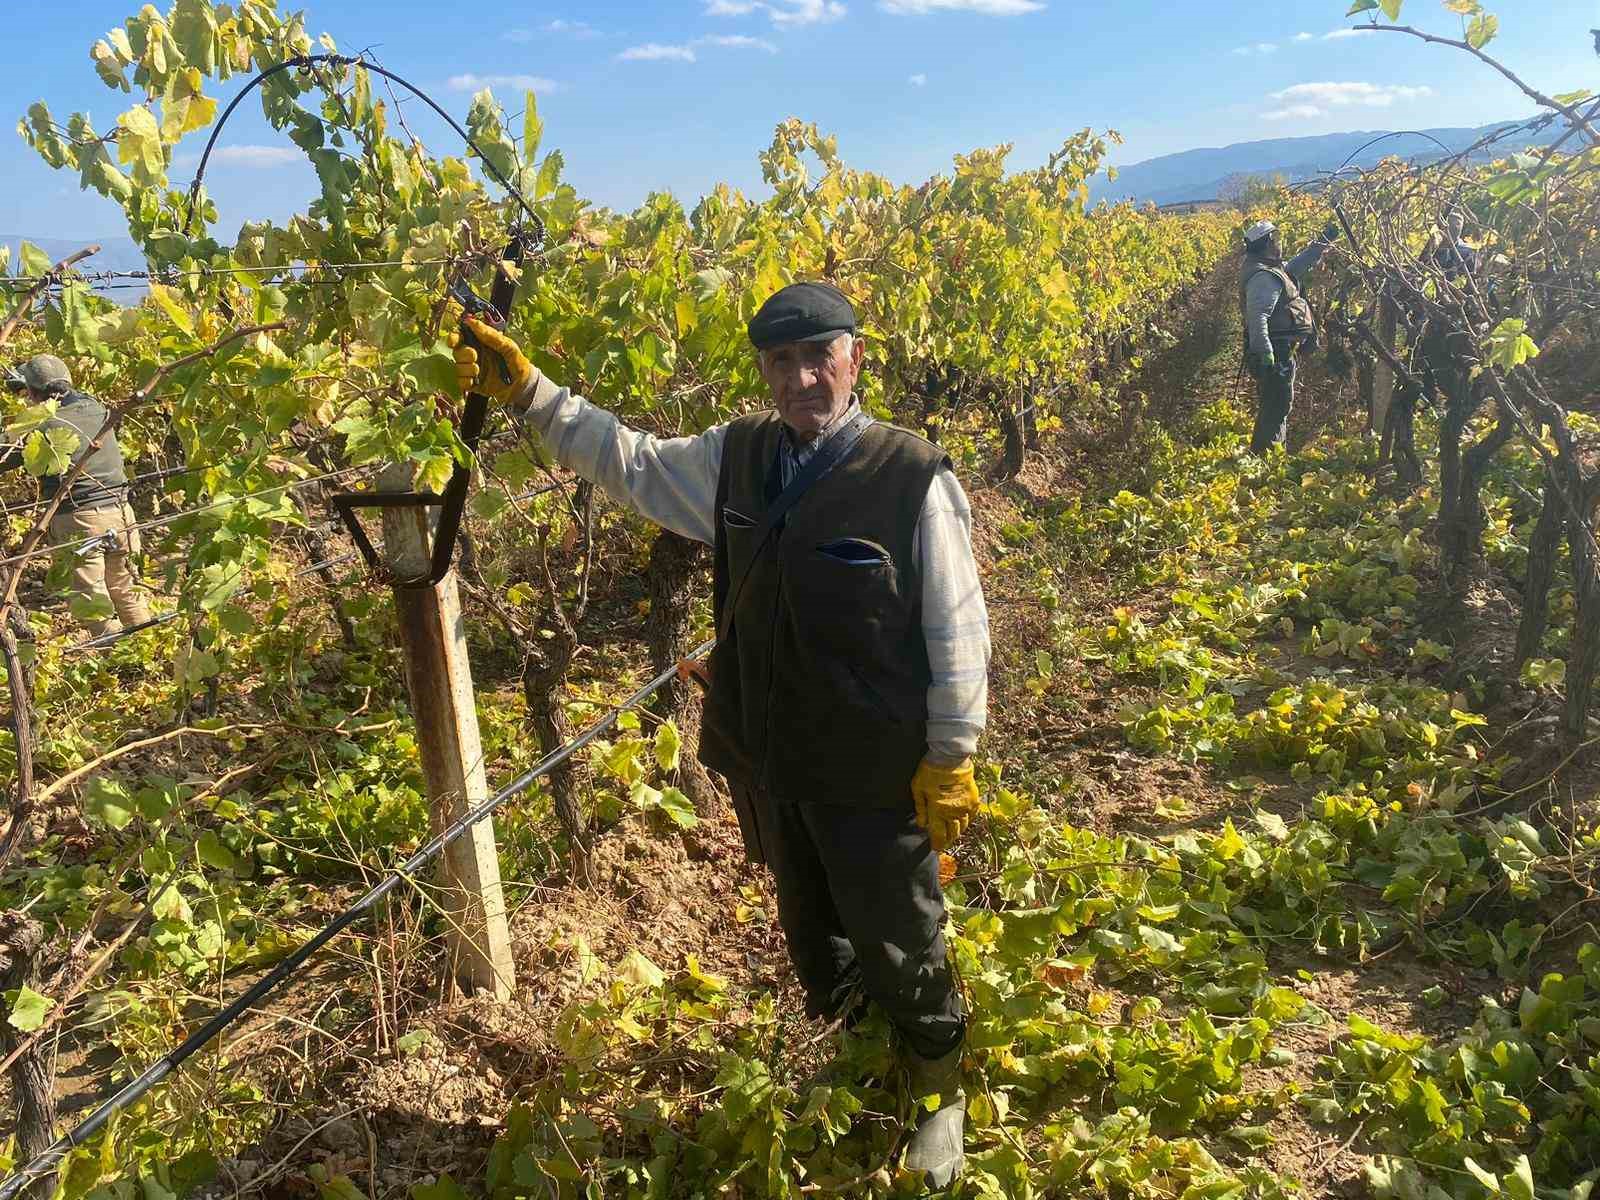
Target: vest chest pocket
<point x="846" y="593"/>
<point x="856" y="552"/>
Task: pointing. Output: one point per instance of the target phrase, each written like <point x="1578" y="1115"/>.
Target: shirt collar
<point x="826" y="432"/>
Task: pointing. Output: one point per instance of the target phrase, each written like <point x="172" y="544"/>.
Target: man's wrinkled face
<point x="811" y="382"/>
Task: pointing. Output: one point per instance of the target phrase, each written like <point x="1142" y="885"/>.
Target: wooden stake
<point x="439" y="679"/>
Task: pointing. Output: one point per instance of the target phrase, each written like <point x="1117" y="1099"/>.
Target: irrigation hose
<point x="285" y="970"/>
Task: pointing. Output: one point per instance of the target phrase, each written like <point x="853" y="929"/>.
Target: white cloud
<point x="917" y="80"/>
<point x="656" y="52"/>
<point x="738" y="41"/>
<point x="258" y="156"/>
<point x="1304" y="37"/>
<point x="685" y="52"/>
<point x="1345" y="95"/>
<point x="253" y="157"/>
<point x="782" y="13"/>
<point x="1338" y="35"/>
<point x="521" y="83"/>
<point x="578" y="29"/>
<point x="1256" y="48"/>
<point x="989" y="8"/>
<point x="1294" y="112"/>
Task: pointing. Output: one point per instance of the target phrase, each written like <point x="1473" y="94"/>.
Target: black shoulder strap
<point x="828" y="456"/>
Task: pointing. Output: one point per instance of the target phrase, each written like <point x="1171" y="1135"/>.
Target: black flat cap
<point x="802" y="312"/>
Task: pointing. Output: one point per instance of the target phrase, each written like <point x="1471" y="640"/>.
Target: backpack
<point x="1293" y="316"/>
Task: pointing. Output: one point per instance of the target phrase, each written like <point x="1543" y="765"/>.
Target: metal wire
<point x="171" y="518"/>
<point x="340" y="269"/>
<point x="338" y="560"/>
<point x="285" y="970"/>
<point x="361" y="62"/>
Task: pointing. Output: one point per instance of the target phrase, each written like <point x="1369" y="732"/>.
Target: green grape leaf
<point x="218" y="582"/>
<point x="549" y="175"/>
<point x="532" y="127"/>
<point x="679" y="808"/>
<point x="49" y="451"/>
<point x="106" y="802"/>
<point x="212" y="852"/>
<point x="90" y="610"/>
<point x="109" y="66"/>
<point x="1482" y="30"/>
<point x="667" y="746"/>
<point x="34" y="260"/>
<point x="1510" y="346"/>
<point x="28" y="1009"/>
<point x="1519" y="1183"/>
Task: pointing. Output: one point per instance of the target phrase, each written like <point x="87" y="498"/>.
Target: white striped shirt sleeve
<point x="671" y="481"/>
<point x="955" y="622"/>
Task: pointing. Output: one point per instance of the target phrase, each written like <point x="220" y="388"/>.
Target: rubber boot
<point x="936" y="1145"/>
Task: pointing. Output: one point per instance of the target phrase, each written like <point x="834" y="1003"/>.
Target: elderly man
<point x="849" y="683"/>
<point x="94" y="519"/>
<point x="1277" y="320"/>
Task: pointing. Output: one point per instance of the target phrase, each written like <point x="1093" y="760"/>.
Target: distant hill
<point x="1202" y="174"/>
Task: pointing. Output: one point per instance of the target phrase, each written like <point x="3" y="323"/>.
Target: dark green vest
<point x="104" y="482"/>
<point x="820" y="689"/>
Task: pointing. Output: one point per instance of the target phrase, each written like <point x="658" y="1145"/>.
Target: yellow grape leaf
<point x="139" y="145"/>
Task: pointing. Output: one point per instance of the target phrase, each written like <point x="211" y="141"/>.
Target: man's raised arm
<point x="671" y="481"/>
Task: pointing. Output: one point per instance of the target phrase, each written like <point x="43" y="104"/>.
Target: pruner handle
<point x="692" y="670"/>
<point x="475" y="306"/>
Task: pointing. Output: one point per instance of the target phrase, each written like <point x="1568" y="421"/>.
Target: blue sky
<point x="681" y="94"/>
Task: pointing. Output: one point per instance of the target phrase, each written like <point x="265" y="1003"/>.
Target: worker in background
<point x="1453" y="254"/>
<point x="93" y="524"/>
<point x="849" y="683"/>
<point x="1277" y="321"/>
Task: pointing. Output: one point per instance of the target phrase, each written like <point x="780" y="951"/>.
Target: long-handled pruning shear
<point x="452" y="502"/>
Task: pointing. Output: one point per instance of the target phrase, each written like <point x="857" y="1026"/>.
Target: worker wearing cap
<point x="849" y="689"/>
<point x="93" y="523"/>
<point x="1277" y="320"/>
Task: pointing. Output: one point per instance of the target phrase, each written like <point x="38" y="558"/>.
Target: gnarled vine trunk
<point x="14" y="633"/>
<point x="1584" y="659"/>
<point x="1542" y="549"/>
<point x="1460" y="471"/>
<point x="1015" y="451"/>
<point x="544" y="672"/>
<point x="33" y="1093"/>
<point x="674" y="565"/>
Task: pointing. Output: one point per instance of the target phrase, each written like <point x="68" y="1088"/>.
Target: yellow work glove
<point x="946" y="800"/>
<point x="485" y="376"/>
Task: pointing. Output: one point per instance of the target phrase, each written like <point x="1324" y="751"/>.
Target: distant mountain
<point x="1202" y="174"/>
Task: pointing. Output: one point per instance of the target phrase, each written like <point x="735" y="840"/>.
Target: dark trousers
<point x="1274" y="399"/>
<point x="860" y="905"/>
